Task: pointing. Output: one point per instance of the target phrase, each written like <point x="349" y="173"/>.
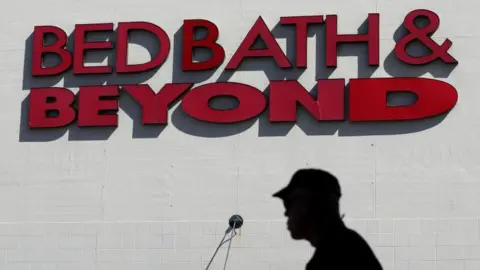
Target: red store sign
<point x="366" y="100"/>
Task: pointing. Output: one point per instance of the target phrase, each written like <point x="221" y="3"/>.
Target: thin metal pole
<point x="229" y="245"/>
<point x="221" y="243"/>
<point x="233" y="233"/>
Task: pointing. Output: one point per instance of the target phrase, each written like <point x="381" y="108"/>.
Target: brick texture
<point x="399" y="244"/>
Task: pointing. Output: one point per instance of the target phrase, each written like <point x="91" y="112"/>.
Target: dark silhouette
<point x="311" y="201"/>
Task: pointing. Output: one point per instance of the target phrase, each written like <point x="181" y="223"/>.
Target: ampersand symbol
<point x="423" y="34"/>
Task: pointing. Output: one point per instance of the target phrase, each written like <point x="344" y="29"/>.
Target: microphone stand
<point x="235" y="222"/>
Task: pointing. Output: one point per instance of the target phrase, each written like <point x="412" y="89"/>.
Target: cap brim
<point x="281" y="193"/>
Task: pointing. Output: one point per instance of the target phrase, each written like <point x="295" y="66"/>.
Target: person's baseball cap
<point x="317" y="182"/>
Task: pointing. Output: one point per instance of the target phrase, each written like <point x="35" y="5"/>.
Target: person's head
<point x="311" y="201"/>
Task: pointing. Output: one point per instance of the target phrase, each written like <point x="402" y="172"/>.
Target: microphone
<point x="235" y="222"/>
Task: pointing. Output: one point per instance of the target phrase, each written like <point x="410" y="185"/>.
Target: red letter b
<point x="39" y="49"/>
<point x="44" y="100"/>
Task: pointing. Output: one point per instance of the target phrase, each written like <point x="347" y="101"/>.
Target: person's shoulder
<point x="361" y="249"/>
<point x="351" y="242"/>
<point x="354" y="235"/>
<point x="350" y="236"/>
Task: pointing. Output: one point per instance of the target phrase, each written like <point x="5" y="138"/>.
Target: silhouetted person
<point x="311" y="201"/>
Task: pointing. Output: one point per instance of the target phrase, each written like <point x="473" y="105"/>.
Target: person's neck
<point x="326" y="231"/>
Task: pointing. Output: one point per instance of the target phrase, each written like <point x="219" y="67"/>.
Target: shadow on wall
<point x="191" y="126"/>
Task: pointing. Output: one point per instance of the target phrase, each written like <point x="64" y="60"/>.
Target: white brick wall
<point x="80" y="201"/>
<point x="262" y="244"/>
